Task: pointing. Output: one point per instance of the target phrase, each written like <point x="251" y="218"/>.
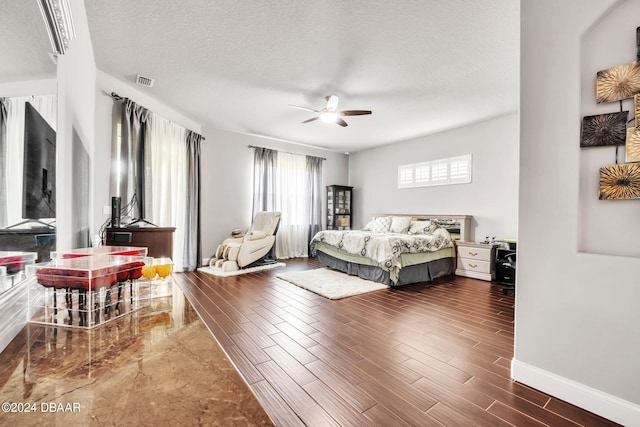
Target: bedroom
<point x="543" y="304"/>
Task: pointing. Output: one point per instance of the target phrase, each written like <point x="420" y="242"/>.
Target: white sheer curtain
<point x="292" y="199"/>
<point x="46" y="105"/>
<point x="166" y="181"/>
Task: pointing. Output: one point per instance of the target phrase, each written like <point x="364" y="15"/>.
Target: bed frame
<point x="452" y="223"/>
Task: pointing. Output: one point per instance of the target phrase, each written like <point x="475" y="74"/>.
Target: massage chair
<point x="253" y="248"/>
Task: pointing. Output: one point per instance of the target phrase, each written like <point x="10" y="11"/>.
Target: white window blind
<point x="440" y="172"/>
<point x="405" y="176"/>
<point x="454" y="170"/>
<point x="460" y="169"/>
<point x="422" y="173"/>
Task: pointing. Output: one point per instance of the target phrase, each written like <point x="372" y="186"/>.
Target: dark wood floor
<point x="428" y="354"/>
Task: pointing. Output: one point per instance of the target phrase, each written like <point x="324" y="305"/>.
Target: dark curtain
<point x="264" y="179"/>
<point x="314" y="189"/>
<point x="3" y="163"/>
<point x="135" y="121"/>
<point x="193" y="244"/>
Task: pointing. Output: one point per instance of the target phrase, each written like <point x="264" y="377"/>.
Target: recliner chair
<point x="254" y="248"/>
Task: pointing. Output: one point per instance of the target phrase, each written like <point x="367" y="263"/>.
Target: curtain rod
<point x="115" y="96"/>
<point x="287" y="152"/>
<point x="120" y="98"/>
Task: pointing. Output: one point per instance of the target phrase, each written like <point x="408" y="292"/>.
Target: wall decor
<point x="638" y="44"/>
<point x="620" y="182"/>
<point x="604" y="129"/>
<point x="618" y="83"/>
<point x="633" y="145"/>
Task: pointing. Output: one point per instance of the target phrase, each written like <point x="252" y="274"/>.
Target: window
<point x="422" y="171"/>
<point x="405" y="176"/>
<point x="289" y="186"/>
<point x="460" y="169"/>
<point x="454" y="170"/>
<point x="439" y="172"/>
<point x="119" y="166"/>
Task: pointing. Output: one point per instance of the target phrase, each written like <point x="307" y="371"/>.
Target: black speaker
<point x="506" y="267"/>
<point x="115" y="211"/>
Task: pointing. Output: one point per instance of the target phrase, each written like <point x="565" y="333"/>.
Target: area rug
<point x="329" y="283"/>
<point x="220" y="273"/>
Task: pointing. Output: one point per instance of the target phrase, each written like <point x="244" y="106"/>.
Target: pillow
<point x="422" y="227"/>
<point x="379" y="225"/>
<point x="400" y="224"/>
<point x="256" y="235"/>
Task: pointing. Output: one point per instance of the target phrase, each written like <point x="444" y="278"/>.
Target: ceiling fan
<point x="330" y="113"/>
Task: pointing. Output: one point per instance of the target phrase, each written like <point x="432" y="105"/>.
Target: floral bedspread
<point x="384" y="248"/>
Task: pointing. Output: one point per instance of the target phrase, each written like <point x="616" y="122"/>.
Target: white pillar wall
<point x="577" y="314"/>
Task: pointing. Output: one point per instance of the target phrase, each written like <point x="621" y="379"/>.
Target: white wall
<point x="76" y="100"/>
<point x="227" y="180"/>
<point x="577" y="314"/>
<point x="491" y="197"/>
<point x="611" y="42"/>
<point x="28" y="88"/>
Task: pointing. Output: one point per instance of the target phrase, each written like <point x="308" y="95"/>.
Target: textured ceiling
<point x="421" y="66"/>
<point x="24" y="43"/>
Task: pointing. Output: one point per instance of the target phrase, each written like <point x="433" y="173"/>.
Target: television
<point x="39" y="171"/>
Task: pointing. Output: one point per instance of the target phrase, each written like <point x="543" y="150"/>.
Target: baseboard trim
<point x="611" y="407"/>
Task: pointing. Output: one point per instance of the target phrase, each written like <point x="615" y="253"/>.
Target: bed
<point x="394" y="249"/>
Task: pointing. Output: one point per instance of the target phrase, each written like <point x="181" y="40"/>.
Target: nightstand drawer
<point x="474" y="265"/>
<point x="474" y="252"/>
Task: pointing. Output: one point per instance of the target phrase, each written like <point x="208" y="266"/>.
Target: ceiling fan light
<point x="328" y="117"/>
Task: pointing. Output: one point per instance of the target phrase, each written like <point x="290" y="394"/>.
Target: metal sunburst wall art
<point x="618" y="83"/>
<point x="620" y="182"/>
<point x="604" y="129"/>
<point x="633" y="145"/>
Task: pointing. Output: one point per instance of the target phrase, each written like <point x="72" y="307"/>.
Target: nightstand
<point x="477" y="260"/>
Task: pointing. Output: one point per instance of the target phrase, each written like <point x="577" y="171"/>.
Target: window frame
<point x="438" y="172"/>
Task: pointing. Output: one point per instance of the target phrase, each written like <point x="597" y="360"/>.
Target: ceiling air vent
<point x="144" y="81"/>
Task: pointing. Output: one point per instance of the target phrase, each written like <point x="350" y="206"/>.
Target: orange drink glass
<point x="164" y="266"/>
<point x="149" y="271"/>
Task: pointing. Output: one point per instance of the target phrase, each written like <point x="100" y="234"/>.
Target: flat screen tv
<point x="39" y="172"/>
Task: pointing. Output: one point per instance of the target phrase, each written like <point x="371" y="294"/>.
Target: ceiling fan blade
<point x="354" y="112"/>
<point x="332" y="102"/>
<point x="341" y="122"/>
<point x="304" y="108"/>
<point x="311" y="119"/>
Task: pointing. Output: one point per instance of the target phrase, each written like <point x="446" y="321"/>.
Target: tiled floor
<point x="426" y="354"/>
